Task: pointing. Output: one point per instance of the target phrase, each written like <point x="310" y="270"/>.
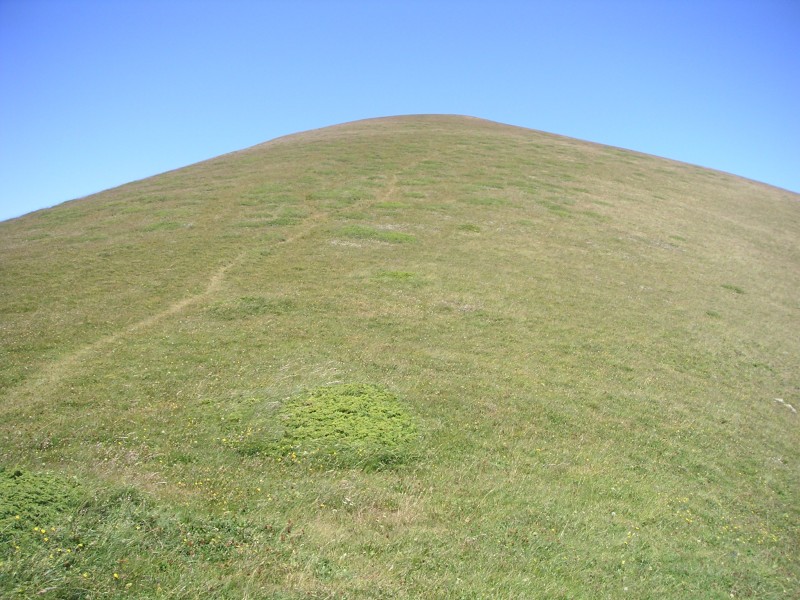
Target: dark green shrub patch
<point x="348" y="425"/>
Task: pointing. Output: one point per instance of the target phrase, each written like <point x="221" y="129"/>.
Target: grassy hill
<point x="414" y="357"/>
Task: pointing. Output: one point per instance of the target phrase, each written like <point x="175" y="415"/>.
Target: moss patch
<point x="348" y="425"/>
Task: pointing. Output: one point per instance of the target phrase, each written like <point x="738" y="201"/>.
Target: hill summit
<point x="409" y="357"/>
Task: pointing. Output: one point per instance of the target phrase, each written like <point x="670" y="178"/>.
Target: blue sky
<point x="96" y="93"/>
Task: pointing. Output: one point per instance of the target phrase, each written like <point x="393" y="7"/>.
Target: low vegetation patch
<point x="63" y="539"/>
<point x="487" y="201"/>
<point x="349" y="425"/>
<point x="249" y="306"/>
<point x="392" y="205"/>
<point x="360" y="232"/>
<point x="284" y="221"/>
<point x="162" y="226"/>
<point x="556" y="208"/>
<point x="397" y="276"/>
<point x="733" y="288"/>
<point x="27" y="498"/>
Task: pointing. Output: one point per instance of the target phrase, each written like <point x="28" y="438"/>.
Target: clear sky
<point x="96" y="93"/>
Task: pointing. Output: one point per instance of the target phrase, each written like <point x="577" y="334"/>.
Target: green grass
<point x="733" y="288"/>
<point x="109" y="541"/>
<point x="249" y="306"/>
<point x="348" y="425"/>
<point x="542" y="377"/>
<point x="360" y="232"/>
<point x="162" y="226"/>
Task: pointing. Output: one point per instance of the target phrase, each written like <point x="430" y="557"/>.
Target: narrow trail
<point x="391" y="189"/>
<point x="50" y="374"/>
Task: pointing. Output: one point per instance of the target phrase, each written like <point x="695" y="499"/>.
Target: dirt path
<point x="52" y="373"/>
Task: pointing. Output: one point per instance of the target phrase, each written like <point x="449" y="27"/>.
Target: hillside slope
<point x="598" y="350"/>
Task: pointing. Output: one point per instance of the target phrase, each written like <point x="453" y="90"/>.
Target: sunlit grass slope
<point x="416" y="357"/>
